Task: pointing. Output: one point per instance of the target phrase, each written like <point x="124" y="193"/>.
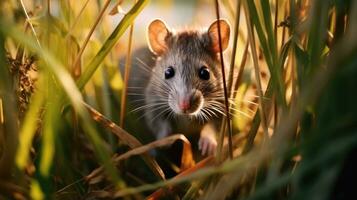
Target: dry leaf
<point x="126" y="138"/>
<point x="160" y="193"/>
<point x="186" y="159"/>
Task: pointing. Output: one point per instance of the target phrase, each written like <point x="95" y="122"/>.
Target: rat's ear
<point x="213" y="35"/>
<point x="157" y="35"/>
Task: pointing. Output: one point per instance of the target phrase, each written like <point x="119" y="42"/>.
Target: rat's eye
<point x="203" y="73"/>
<point x="169" y="72"/>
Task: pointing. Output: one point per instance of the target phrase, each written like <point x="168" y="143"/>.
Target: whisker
<point x="243" y="113"/>
<point x="147" y="106"/>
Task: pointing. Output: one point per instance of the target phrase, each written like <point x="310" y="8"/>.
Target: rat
<point x="179" y="77"/>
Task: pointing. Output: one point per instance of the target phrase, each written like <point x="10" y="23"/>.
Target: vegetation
<point x="66" y="131"/>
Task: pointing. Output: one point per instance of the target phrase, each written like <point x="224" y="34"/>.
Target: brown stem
<point x="224" y="86"/>
<point x="126" y="78"/>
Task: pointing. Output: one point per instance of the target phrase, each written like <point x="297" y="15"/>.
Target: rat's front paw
<point x="207" y="145"/>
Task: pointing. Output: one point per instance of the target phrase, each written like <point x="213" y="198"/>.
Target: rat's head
<point x="187" y="75"/>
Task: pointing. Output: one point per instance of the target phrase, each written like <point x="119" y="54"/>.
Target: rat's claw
<point x="207" y="145"/>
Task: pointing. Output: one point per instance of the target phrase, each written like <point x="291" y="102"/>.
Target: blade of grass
<point x="110" y="42"/>
<point x="186" y="163"/>
<point x="71" y="29"/>
<point x="196" y="186"/>
<point x="49" y="131"/>
<point x="29" y="125"/>
<point x="276" y="22"/>
<point x="234" y="51"/>
<point x="257" y="120"/>
<point x="126" y="77"/>
<point x="126" y="138"/>
<point x="9" y="127"/>
<point x="206" y="168"/>
<point x="29" y="22"/>
<point x="204" y="163"/>
<point x="227" y="118"/>
<point x="268" y="45"/>
<point x="271" y="38"/>
<point x="241" y="70"/>
<point x="256" y="67"/>
<point x="99" y="17"/>
<point x="69" y="88"/>
<point x="241" y="164"/>
<point x="275" y="71"/>
<point x="317" y="35"/>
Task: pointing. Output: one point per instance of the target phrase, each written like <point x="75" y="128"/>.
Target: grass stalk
<point x="228" y="118"/>
<point x="110" y="42"/>
<point x="126" y="77"/>
<point x="70" y="30"/>
<point x="99" y="17"/>
<point x="256" y="70"/>
<point x="69" y="88"/>
<point x="234" y="50"/>
<point x="126" y="138"/>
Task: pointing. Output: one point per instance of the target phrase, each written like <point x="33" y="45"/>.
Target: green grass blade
<point x="317" y="35"/>
<point x="69" y="89"/>
<point x="49" y="133"/>
<point x="253" y="14"/>
<point x="269" y="46"/>
<point x="29" y="126"/>
<point x="269" y="27"/>
<point x="110" y="42"/>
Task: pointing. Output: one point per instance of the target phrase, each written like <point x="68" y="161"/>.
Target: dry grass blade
<point x="244" y="163"/>
<point x="126" y="138"/>
<point x="209" y="161"/>
<point x="186" y="161"/>
<point x="256" y="69"/>
<point x="226" y="103"/>
<point x="160" y="193"/>
<point x="31" y="26"/>
<point x="70" y="30"/>
<point x="126" y="77"/>
<point x="240" y="73"/>
<point x="234" y="51"/>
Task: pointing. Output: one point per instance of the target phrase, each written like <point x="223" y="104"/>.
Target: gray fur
<point x="187" y="52"/>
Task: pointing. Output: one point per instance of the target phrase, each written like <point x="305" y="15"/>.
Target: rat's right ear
<point x="157" y="35"/>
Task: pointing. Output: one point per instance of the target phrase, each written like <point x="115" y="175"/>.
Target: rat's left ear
<point x="213" y="35"/>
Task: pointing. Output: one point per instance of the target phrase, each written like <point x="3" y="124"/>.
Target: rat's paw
<point x="207" y="145"/>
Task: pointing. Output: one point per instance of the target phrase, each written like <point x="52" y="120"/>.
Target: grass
<point x="66" y="131"/>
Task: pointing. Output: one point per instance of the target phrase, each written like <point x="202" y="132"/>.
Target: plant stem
<point x="224" y="87"/>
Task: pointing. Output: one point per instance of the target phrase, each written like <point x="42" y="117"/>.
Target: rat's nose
<point x="184" y="104"/>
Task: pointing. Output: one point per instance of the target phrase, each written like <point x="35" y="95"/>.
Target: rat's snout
<point x="190" y="103"/>
<point x="184" y="104"/>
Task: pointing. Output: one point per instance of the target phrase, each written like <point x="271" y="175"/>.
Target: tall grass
<point x="292" y="68"/>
